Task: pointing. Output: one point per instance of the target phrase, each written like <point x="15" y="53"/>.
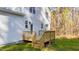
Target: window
<point x="47" y="14"/>
<point x="41" y="25"/>
<point x="26" y="24"/>
<point x="32" y="10"/>
<point x="29" y="22"/>
<point x="46" y="25"/>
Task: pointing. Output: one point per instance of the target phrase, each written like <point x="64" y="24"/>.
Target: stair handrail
<point x="51" y="36"/>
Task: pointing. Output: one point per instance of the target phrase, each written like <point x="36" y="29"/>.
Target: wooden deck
<point x="48" y="37"/>
<point x="29" y="36"/>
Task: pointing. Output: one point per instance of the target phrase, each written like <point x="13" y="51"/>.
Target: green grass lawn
<point x="64" y="44"/>
<point x="61" y="44"/>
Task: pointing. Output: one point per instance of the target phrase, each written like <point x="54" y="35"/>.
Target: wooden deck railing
<point x="29" y="36"/>
<point x="47" y="36"/>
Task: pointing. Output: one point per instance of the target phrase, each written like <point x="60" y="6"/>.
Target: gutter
<point x="12" y="12"/>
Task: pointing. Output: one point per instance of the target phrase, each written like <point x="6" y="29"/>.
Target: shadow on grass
<point x="19" y="47"/>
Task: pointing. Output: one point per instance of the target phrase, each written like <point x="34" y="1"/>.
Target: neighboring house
<point x="14" y="21"/>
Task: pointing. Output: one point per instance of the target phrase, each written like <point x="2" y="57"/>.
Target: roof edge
<point x="12" y="12"/>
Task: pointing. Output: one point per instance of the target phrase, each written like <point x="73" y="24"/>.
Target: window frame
<point x="42" y="26"/>
<point x="32" y="10"/>
<point x="47" y="15"/>
<point x="26" y="24"/>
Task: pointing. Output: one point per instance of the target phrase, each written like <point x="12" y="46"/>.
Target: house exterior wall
<point x="39" y="16"/>
<point x="11" y="28"/>
<point x="13" y="25"/>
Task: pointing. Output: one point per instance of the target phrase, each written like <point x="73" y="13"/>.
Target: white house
<point x="15" y="20"/>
